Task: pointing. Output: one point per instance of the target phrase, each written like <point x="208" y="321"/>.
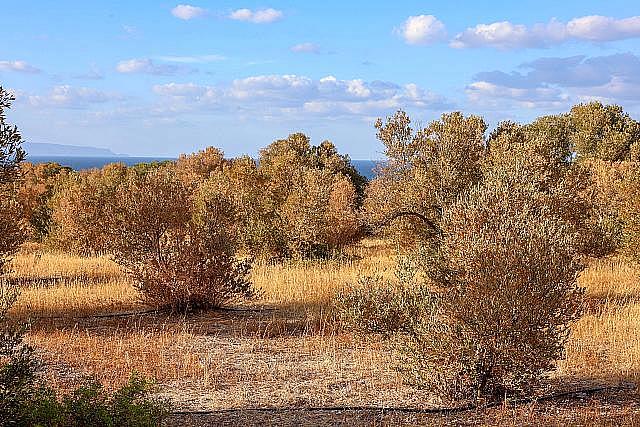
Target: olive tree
<point x="177" y="245"/>
<point x="485" y="308"/>
<point x="11" y="154"/>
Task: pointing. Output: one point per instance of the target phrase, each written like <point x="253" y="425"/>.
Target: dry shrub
<point x="486" y="310"/>
<point x="81" y="210"/>
<point x="426" y="169"/>
<point x="257" y="227"/>
<point x="197" y="167"/>
<point x="604" y="132"/>
<point x="617" y="187"/>
<point x="179" y="256"/>
<point x="38" y="185"/>
<point x="506" y="294"/>
<point x="315" y="195"/>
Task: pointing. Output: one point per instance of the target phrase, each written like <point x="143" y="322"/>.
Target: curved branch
<point x="430" y="223"/>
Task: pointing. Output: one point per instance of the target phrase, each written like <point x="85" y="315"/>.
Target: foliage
<point x="257" y="229"/>
<point x="197" y="167"/>
<point x="425" y="171"/>
<point x="81" y="210"/>
<point x="385" y="307"/>
<point x="181" y="254"/>
<point x="38" y="185"/>
<point x="11" y="152"/>
<point x="506" y="291"/>
<point x="617" y="188"/>
<point x="604" y="132"/>
<point x="506" y="227"/>
<point x="12" y="232"/>
<point x="315" y="195"/>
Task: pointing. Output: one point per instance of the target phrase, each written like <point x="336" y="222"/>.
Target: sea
<point x="365" y="167"/>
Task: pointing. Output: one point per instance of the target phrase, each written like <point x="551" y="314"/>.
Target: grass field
<point x="284" y="350"/>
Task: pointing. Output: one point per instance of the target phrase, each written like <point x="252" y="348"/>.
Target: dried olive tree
<point x="179" y="251"/>
<point x="485" y="309"/>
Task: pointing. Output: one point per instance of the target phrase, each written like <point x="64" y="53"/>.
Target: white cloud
<point x="72" y="97"/>
<point x="148" y="66"/>
<point x="18" y="66"/>
<point x="305" y="48"/>
<point x="262" y="16"/>
<point x="422" y="30"/>
<point x="506" y="35"/>
<point x="187" y="12"/>
<point x="273" y="95"/>
<point x="603" y="28"/>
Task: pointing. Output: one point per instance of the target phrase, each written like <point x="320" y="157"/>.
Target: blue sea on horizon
<point x="365" y="167"/>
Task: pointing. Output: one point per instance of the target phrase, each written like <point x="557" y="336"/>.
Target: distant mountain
<point x="37" y="149"/>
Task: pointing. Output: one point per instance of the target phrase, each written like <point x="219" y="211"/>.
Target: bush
<point x="26" y="401"/>
<point x="38" y="185"/>
<point x="315" y="196"/>
<point x="425" y="170"/>
<point x="485" y="309"/>
<point x="12" y="230"/>
<point x="82" y="208"/>
<point x="385" y="307"/>
<point x="88" y="405"/>
<point x="604" y="132"/>
<point x="507" y="293"/>
<point x="179" y="252"/>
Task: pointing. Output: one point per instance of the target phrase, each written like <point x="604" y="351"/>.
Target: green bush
<point x="88" y="405"/>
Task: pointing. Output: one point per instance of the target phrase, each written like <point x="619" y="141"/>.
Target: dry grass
<point x="287" y="356"/>
<point x="605" y="342"/>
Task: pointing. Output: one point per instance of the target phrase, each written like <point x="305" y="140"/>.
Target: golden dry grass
<point x="286" y="356"/>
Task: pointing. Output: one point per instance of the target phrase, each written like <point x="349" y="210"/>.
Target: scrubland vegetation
<point x="477" y="269"/>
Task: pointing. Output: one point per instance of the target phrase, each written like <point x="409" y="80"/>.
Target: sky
<point x="160" y="78"/>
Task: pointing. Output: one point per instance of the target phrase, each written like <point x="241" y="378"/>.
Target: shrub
<point x="617" y="188"/>
<point x="38" y="185"/>
<point x="383" y="306"/>
<point x="197" y="167"/>
<point x="180" y="253"/>
<point x="507" y="293"/>
<point x="257" y="228"/>
<point x="315" y="196"/>
<point x="486" y="308"/>
<point x="82" y="207"/>
<point x="604" y="132"/>
<point x="12" y="232"/>
<point x="494" y="312"/>
<point x="425" y="170"/>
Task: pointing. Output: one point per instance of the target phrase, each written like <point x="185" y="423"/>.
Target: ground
<point x="281" y="359"/>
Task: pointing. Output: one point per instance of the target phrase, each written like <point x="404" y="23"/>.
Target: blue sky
<point x="162" y="78"/>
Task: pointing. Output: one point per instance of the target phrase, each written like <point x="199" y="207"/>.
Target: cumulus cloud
<point x="422" y="30"/>
<point x="602" y="28"/>
<point x="187" y="12"/>
<point x="293" y="94"/>
<point x="305" y="48"/>
<point x="66" y="96"/>
<point x="148" y="66"/>
<point x="261" y="16"/>
<point x="18" y="66"/>
<point x="615" y="78"/>
<point x="506" y="35"/>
